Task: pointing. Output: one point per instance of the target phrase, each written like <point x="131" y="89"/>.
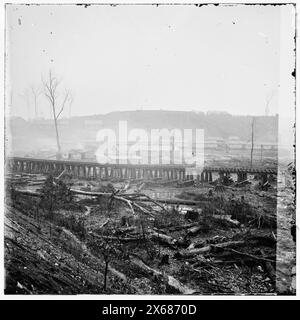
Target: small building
<point x="80" y="154"/>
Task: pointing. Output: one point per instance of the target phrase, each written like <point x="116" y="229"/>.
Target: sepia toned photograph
<point x="150" y="149"/>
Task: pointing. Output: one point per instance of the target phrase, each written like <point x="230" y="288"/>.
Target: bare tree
<point x="36" y="92"/>
<point x="57" y="100"/>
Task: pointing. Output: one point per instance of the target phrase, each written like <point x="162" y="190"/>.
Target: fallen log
<point x="90" y="193"/>
<point x="229" y="244"/>
<point x="197" y="251"/>
<point x="155" y="202"/>
<point x="227" y="218"/>
<point x="35" y="183"/>
<point x="182" y="201"/>
<point x="237" y="261"/>
<point x="242" y="182"/>
<point x="61" y="174"/>
<point x="245" y="254"/>
<point x="18" y="182"/>
<point x="129" y="203"/>
<point x="122" y="239"/>
<point x="170" y="281"/>
<point x="174" y="201"/>
<point x="27" y="193"/>
<point x="179" y="227"/>
<point x="163" y="238"/>
<point x="124" y="197"/>
<point x="117" y="273"/>
<point x="195" y="229"/>
<point x="144" y="210"/>
<point x="193" y="252"/>
<point x="197" y="244"/>
<point x="152" y="235"/>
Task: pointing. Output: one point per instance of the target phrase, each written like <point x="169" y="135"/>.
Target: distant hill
<point x="76" y="130"/>
<point x="221" y="125"/>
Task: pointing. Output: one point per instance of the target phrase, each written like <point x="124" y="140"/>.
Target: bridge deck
<point x="251" y="170"/>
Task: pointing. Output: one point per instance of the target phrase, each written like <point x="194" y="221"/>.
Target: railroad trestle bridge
<point x="97" y="171"/>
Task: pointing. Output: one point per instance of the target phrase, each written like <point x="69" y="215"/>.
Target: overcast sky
<point x="223" y="58"/>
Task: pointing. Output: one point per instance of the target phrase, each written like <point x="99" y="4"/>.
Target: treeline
<point x="215" y="125"/>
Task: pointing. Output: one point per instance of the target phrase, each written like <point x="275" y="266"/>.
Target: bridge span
<point x="94" y="170"/>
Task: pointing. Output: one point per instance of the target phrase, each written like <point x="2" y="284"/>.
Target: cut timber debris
<point x="125" y="197"/>
<point x="227" y="218"/>
<point x="194" y="230"/>
<point x="241" y="183"/>
<point x="170" y="281"/>
<point x="196" y="251"/>
<point x="163" y="238"/>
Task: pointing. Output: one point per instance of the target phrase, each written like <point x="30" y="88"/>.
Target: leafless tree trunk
<point x="57" y="102"/>
<point x="36" y="93"/>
